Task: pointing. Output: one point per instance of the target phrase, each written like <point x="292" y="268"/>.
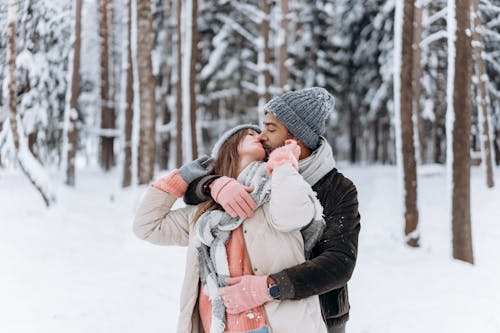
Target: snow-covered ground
<point x="78" y="268"/>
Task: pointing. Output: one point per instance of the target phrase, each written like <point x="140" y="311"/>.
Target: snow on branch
<point x="3" y="133"/>
<point x="493" y="23"/>
<point x="491" y="34"/>
<point x="220" y="44"/>
<point x="251" y="86"/>
<point x="492" y="61"/>
<point x="493" y="90"/>
<point x="442" y="34"/>
<point x="433" y="18"/>
<point x="32" y="167"/>
<point x="488" y="7"/>
<point x="238" y="28"/>
<point x="253" y="13"/>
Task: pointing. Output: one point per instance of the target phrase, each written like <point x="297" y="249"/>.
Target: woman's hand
<point x="172" y="183"/>
<point x="233" y="196"/>
<point x="289" y="153"/>
<point x="195" y="169"/>
<point x="177" y="181"/>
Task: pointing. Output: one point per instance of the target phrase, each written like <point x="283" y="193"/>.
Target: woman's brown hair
<point x="226" y="163"/>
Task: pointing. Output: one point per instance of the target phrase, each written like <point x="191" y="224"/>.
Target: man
<point x="299" y="115"/>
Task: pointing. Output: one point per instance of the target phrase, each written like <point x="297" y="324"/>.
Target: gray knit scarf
<point x="313" y="168"/>
<point x="318" y="164"/>
<point x="214" y="228"/>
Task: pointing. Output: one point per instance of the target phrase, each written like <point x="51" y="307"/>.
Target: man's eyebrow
<point x="268" y="123"/>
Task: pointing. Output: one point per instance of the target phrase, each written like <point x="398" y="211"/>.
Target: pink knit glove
<point x="246" y="292"/>
<point x="289" y="153"/>
<point x="233" y="196"/>
<point x="172" y="183"/>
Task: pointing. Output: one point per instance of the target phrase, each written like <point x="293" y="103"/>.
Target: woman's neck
<point x="244" y="162"/>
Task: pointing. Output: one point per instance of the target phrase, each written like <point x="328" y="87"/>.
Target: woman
<point x="221" y="247"/>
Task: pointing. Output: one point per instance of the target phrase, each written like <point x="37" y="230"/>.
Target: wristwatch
<point x="274" y="291"/>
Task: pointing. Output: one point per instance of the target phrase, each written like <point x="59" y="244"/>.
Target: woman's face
<point x="250" y="146"/>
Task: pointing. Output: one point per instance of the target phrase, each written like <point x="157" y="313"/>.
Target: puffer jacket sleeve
<point x="156" y="222"/>
<point x="292" y="203"/>
<point x="334" y="256"/>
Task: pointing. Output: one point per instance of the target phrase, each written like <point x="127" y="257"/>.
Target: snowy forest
<point x="98" y="98"/>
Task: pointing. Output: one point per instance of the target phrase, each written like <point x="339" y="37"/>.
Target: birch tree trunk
<point x="458" y="125"/>
<point x="29" y="165"/>
<point x="107" y="103"/>
<point x="483" y="99"/>
<point x="146" y="92"/>
<point x="405" y="137"/>
<point x="129" y="103"/>
<point x="178" y="103"/>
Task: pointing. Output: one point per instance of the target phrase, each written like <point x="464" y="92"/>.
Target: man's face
<point x="273" y="134"/>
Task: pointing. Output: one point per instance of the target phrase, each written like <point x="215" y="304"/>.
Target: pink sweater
<point x="239" y="264"/>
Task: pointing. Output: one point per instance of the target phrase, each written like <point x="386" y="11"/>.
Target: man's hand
<point x="233" y="196"/>
<point x="246" y="292"/>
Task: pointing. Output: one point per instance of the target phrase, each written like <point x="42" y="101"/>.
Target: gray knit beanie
<point x="303" y="112"/>
<point x="229" y="133"/>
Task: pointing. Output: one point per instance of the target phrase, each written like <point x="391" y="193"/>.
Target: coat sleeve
<point x="156" y="222"/>
<point x="334" y="256"/>
<point x="292" y="203"/>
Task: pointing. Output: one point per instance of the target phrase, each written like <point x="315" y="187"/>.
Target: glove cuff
<point x="172" y="183"/>
<point x="280" y="157"/>
<point x="218" y="185"/>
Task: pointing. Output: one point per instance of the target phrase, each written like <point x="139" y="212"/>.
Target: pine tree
<point x="459" y="123"/>
<point x="129" y="103"/>
<point x="71" y="113"/>
<point x="107" y="102"/>
<point x="403" y="53"/>
<point x="29" y="165"/>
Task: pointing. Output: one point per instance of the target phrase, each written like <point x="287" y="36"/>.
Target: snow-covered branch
<point x="252" y="12"/>
<point x="436" y="16"/>
<point x="442" y="34"/>
<point x="492" y="61"/>
<point x="238" y="28"/>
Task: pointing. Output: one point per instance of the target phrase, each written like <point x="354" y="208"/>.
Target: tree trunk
<point x="283" y="46"/>
<point x="483" y="99"/>
<point x="416" y="84"/>
<point x="129" y="103"/>
<point x="179" y="150"/>
<point x="166" y="89"/>
<point x="29" y="165"/>
<point x="496" y="144"/>
<point x="192" y="77"/>
<point x="265" y="27"/>
<point x="406" y="136"/>
<point x="73" y="110"/>
<point x="107" y="104"/>
<point x="459" y="123"/>
<point x="146" y="92"/>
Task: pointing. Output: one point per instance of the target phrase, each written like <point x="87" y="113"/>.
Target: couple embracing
<point x="271" y="227"/>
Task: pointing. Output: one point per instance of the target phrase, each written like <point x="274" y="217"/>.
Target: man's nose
<point x="261" y="136"/>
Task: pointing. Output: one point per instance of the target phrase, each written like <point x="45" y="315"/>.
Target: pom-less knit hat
<point x="229" y="133"/>
<point x="303" y="112"/>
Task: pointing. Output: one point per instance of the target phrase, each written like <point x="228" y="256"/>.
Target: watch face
<point x="274" y="291"/>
